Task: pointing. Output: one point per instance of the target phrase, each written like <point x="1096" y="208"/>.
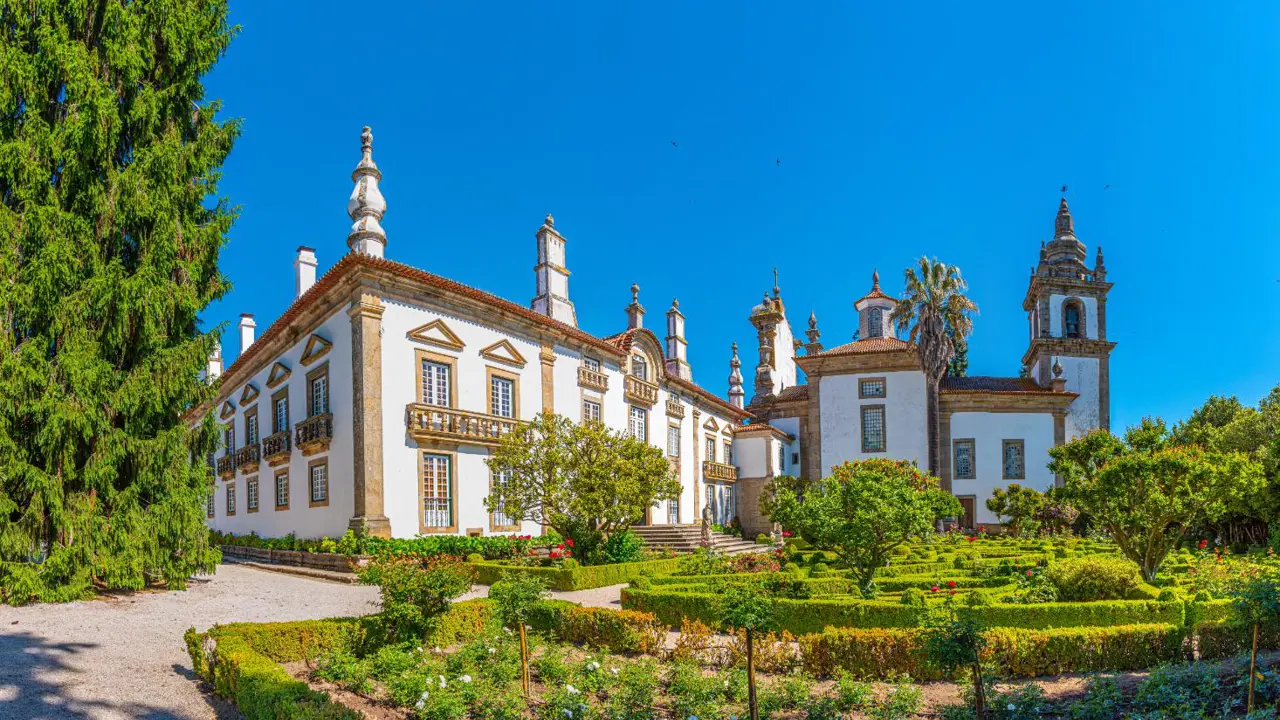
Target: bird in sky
<point x="1107" y="187"/>
<point x="777" y="161"/>
<point x="1064" y="188"/>
<point x="675" y="144"/>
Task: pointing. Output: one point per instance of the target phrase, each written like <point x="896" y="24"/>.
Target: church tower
<point x="776" y="369"/>
<point x="1066" y="305"/>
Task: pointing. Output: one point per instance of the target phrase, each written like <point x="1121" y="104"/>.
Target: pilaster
<point x="944" y="450"/>
<point x="697" y="468"/>
<point x="366" y="426"/>
<point x="547" y="357"/>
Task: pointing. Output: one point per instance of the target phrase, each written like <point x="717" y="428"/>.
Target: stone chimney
<point x="247" y="326"/>
<point x="214" y="368"/>
<point x="677" y="360"/>
<point x="304" y="270"/>
<point x="635" y="311"/>
<point x="552" y="277"/>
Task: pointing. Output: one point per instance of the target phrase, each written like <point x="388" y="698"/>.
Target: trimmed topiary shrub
<point x="1089" y="579"/>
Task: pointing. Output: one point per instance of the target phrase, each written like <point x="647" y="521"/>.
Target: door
<point x="966" y="517"/>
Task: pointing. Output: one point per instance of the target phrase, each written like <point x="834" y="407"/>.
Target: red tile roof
<point x="795" y="392"/>
<point x="988" y="384"/>
<point x="867" y="345"/>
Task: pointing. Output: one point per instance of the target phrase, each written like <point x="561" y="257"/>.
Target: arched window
<point x="639" y="367"/>
<point x="1073" y="319"/>
<point x="875" y="322"/>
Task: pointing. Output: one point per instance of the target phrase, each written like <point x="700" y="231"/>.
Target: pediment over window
<point x="710" y="424"/>
<point x="316" y="348"/>
<point x="504" y="352"/>
<point x="279" y="373"/>
<point x="727" y="430"/>
<point x="249" y="395"/>
<point x="438" y="334"/>
<point x="228" y="409"/>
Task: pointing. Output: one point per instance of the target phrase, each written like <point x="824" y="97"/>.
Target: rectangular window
<point x="871" y="388"/>
<point x="251" y="493"/>
<point x="591" y="363"/>
<point x="873" y="431"/>
<point x="208" y="505"/>
<point x="435" y="383"/>
<point x="728" y="453"/>
<point x="639" y="367"/>
<point x="281" y="415"/>
<point x="709" y="447"/>
<point x="282" y="490"/>
<point x="437" y="492"/>
<point x="231" y="499"/>
<point x="501" y="396"/>
<point x="500" y="517"/>
<point x="251" y="429"/>
<point x="673" y="440"/>
<point x="590" y="411"/>
<point x="319" y="484"/>
<point x="318" y="394"/>
<point x="673" y="511"/>
<point x="1014" y="460"/>
<point x="639" y="423"/>
<point x="782" y="457"/>
<point x="964" y="460"/>
<point x="229" y="437"/>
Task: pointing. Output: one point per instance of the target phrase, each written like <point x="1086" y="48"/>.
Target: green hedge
<point x="1091" y="614"/>
<point x="1225" y="639"/>
<point x="707" y="583"/>
<point x="878" y="653"/>
<point x="579" y="578"/>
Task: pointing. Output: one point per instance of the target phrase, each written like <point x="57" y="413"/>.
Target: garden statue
<point x="706" y="527"/>
<point x="776" y="535"/>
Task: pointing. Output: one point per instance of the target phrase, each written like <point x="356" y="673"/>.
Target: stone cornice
<point x="1072" y="347"/>
<point x="998" y="402"/>
<point x="1063" y="286"/>
<point x="893" y="360"/>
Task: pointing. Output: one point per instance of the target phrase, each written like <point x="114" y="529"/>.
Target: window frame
<point x="493" y="374"/>
<point x="709" y="447"/>
<point x="638" y="360"/>
<point x="229" y="437"/>
<point x="956" y="444"/>
<point x="587" y="400"/>
<point x="275" y="489"/>
<point x="252" y="427"/>
<point x="419" y="357"/>
<point x="494" y="526"/>
<point x="862" y="390"/>
<point x="884" y="428"/>
<point x="451" y="458"/>
<point x="875" y="321"/>
<point x="1082" y="327"/>
<point x="276" y="398"/>
<point x="230" y="499"/>
<point x="1022" y="459"/>
<point x="643" y="413"/>
<point x="311" y="480"/>
<point x="320" y="372"/>
<point x="252" y="494"/>
<point x="211" y="504"/>
<point x="591" y="363"/>
<point x="673" y="436"/>
<point x="726" y="447"/>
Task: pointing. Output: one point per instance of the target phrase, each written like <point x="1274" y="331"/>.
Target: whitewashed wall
<point x="841" y="418"/>
<point x="300" y="518"/>
<point x="791" y="426"/>
<point x="989" y="431"/>
<point x="1083" y="376"/>
<point x="1090" y="315"/>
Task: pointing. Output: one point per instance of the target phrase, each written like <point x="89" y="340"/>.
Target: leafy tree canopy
<point x="110" y="229"/>
<point x="1146" y="490"/>
<point x="582" y="479"/>
<point x="1020" y="505"/>
<point x="862" y="511"/>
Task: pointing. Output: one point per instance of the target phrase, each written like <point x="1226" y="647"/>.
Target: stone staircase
<point x="686" y="538"/>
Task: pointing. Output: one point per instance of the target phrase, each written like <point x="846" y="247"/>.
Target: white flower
<point x="726" y="683"/>
<point x="593" y="666"/>
<point x="437" y="648"/>
<point x="492" y="651"/>
<point x="442" y="682"/>
<point x="568" y="712"/>
<point x="1012" y="707"/>
<point x="465" y="678"/>
<point x="572" y="690"/>
<point x="420" y="704"/>
<point x="419" y="648"/>
<point x="613" y="670"/>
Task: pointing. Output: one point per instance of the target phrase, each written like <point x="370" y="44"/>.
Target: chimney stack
<point x="214" y="368"/>
<point x="677" y="360"/>
<point x="635" y="311"/>
<point x="247" y="326"/>
<point x="552" y="278"/>
<point x="304" y="270"/>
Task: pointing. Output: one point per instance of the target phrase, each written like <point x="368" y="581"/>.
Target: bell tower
<point x="1066" y="305"/>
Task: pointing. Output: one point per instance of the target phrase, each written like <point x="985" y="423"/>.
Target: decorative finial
<point x="635" y="293"/>
<point x="875" y="280"/>
<point x="776" y="292"/>
<point x="1063" y="225"/>
<point x="1057" y="368"/>
<point x="366" y="204"/>
<point x="735" y="362"/>
<point x="813" y="320"/>
<point x="549" y="221"/>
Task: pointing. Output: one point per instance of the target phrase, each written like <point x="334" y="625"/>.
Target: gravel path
<point x="122" y="656"/>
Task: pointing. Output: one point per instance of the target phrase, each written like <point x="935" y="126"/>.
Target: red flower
<point x="971" y="538"/>
<point x="560" y="546"/>
<point x="568" y="541"/>
<point x="1202" y="544"/>
<point x="1028" y="573"/>
<point x="951" y="583"/>
<point x="933" y="589"/>
<point x="787" y="533"/>
<point x="555" y="554"/>
<point x="953" y="592"/>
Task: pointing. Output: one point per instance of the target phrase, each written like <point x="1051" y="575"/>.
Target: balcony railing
<point x="593" y="379"/>
<point x="640" y="391"/>
<point x="227" y="466"/>
<point x="675" y="408"/>
<point x="313" y="434"/>
<point x="248" y="456"/>
<point x="432" y="422"/>
<point x="276" y="448"/>
<point x="718" y="472"/>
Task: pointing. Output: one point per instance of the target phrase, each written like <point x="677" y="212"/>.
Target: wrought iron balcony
<point x="276" y="448"/>
<point x="640" y="391"/>
<point x="314" y="434"/>
<point x="718" y="472"/>
<point x="433" y="422"/>
<point x="248" y="456"/>
<point x="227" y="466"/>
<point x="593" y="379"/>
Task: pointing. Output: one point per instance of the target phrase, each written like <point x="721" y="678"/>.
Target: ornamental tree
<point x="1146" y="491"/>
<point x="583" y="480"/>
<point x="1020" y="505"/>
<point x="110" y="230"/>
<point x="862" y="511"/>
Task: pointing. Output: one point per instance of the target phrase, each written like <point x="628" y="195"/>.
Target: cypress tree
<point x="110" y="229"/>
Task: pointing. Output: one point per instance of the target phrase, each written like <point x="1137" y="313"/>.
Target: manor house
<point x="376" y="398"/>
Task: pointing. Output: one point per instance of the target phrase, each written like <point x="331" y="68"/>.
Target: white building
<point x="375" y="399"/>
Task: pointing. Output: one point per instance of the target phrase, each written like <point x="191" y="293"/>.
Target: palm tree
<point x="937" y="312"/>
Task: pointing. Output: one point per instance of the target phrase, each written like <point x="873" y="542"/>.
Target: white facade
<point x="904" y="417"/>
<point x="989" y="432"/>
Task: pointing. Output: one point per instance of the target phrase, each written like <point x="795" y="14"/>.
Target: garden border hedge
<point x="583" y="577"/>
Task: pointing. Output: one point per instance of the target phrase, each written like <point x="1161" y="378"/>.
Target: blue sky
<point x="826" y="139"/>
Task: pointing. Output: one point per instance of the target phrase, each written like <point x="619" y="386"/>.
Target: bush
<point x="475" y="557"/>
<point x="623" y="631"/>
<point x="579" y="578"/>
<point x="415" y="591"/>
<point x="913" y="597"/>
<point x="622" y="547"/>
<point x="1088" y="579"/>
<point x="978" y="599"/>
